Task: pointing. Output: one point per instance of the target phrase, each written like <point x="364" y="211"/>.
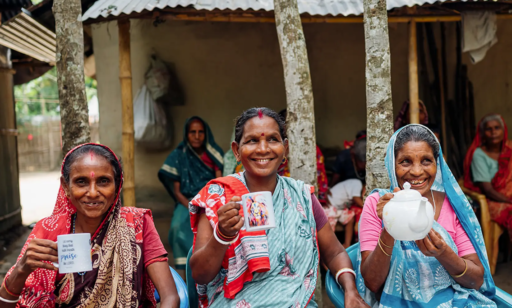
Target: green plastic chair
<point x="193" y="299"/>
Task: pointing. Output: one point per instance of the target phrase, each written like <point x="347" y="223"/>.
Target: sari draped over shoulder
<point x="501" y="182"/>
<point x="272" y="268"/>
<point x="415" y="280"/>
<point x="183" y="165"/>
<point x="118" y="278"/>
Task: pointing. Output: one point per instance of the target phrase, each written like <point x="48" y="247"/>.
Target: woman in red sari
<point x="128" y="257"/>
<point x="488" y="168"/>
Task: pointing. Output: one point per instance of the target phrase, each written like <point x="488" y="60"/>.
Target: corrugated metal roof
<point x="23" y="34"/>
<point x="105" y="8"/>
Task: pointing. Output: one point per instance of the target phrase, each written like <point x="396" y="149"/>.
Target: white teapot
<point x="408" y="216"/>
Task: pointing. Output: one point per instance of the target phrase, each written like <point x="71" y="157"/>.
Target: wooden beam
<point x="226" y="17"/>
<point x="125" y="77"/>
<point x="414" y="106"/>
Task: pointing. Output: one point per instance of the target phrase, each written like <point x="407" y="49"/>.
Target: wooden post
<point x="125" y="77"/>
<point x="443" y="107"/>
<point x="414" y="106"/>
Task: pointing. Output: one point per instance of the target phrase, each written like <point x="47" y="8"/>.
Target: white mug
<point x="74" y="252"/>
<point x="258" y="211"/>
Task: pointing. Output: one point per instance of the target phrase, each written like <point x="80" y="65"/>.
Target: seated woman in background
<point x="195" y="161"/>
<point x="449" y="267"/>
<point x="404" y="116"/>
<point x="351" y="163"/>
<point x="345" y="206"/>
<point x="127" y="254"/>
<point x="488" y="168"/>
<point x="272" y="268"/>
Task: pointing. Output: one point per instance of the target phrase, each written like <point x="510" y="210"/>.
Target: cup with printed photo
<point x="258" y="211"/>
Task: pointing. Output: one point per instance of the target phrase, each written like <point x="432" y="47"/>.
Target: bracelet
<point x="343" y="271"/>
<point x="7" y="290"/>
<point x="464" y="272"/>
<point x="221" y="241"/>
<point x="224" y="236"/>
<point x="8" y="301"/>
<point x="384" y="251"/>
<point x="382" y="242"/>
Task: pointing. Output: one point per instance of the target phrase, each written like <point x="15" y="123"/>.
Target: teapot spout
<point x="420" y="221"/>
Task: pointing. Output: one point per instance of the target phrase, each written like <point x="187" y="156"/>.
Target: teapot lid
<point x="407" y="194"/>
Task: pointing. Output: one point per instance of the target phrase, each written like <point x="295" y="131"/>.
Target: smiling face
<point x="493" y="133"/>
<point x="196" y="134"/>
<point x="91" y="186"/>
<point x="261" y="149"/>
<point x="415" y="163"/>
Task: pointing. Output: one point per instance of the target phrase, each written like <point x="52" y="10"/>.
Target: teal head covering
<point x="185" y="166"/>
<point x="415" y="280"/>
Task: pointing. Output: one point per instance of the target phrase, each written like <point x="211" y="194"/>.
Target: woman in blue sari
<point x="196" y="160"/>
<point x="449" y="267"/>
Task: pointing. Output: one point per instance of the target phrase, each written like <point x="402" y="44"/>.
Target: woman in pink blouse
<point x="449" y="267"/>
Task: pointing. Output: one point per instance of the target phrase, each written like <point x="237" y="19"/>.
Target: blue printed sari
<point x="415" y="280"/>
<point x="183" y="165"/>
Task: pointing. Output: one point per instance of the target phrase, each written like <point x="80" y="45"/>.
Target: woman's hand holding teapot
<point x="383" y="201"/>
<point x="432" y="245"/>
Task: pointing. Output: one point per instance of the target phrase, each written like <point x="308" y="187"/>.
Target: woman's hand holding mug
<point x="230" y="221"/>
<point x="38" y="250"/>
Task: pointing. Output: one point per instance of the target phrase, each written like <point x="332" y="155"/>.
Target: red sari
<point x="500" y="212"/>
<point x="117" y="261"/>
<point x="322" y="183"/>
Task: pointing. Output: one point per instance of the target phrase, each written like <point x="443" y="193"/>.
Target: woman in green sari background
<point x="196" y="161"/>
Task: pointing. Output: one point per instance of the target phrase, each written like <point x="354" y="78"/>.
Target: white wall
<point x="228" y="67"/>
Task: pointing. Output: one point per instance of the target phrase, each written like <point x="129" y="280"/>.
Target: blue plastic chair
<point x="180" y="286"/>
<point x="337" y="296"/>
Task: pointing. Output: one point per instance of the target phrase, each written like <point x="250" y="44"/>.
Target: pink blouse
<point x="370" y="226"/>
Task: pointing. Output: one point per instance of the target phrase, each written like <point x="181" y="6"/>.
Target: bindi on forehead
<point x="262" y="134"/>
<point x="92" y="174"/>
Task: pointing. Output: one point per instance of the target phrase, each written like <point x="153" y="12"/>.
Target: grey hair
<point x="359" y="149"/>
<point x="487" y="119"/>
<point x="416" y="133"/>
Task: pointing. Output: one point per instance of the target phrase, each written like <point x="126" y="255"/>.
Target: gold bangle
<point x="384" y="251"/>
<point x="382" y="242"/>
<point x="465" y="270"/>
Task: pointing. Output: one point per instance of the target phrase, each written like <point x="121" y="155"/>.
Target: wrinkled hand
<point x="38" y="250"/>
<point x="230" y="221"/>
<point x="354" y="300"/>
<point x="434" y="246"/>
<point x="383" y="201"/>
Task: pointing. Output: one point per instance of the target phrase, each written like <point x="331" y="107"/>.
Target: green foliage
<point x="43" y="91"/>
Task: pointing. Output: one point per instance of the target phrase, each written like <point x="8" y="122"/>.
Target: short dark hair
<point x="255" y="112"/>
<point x="98" y="150"/>
<point x="416" y="133"/>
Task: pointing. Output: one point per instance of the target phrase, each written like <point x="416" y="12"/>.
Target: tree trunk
<point x="74" y="113"/>
<point x="379" y="107"/>
<point x="300" y="117"/>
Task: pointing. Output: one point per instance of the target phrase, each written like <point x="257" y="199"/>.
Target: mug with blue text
<point x="74" y="252"/>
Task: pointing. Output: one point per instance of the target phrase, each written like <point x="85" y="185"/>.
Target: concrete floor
<point x="39" y="190"/>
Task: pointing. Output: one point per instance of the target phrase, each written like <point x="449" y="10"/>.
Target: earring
<point x="284" y="160"/>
